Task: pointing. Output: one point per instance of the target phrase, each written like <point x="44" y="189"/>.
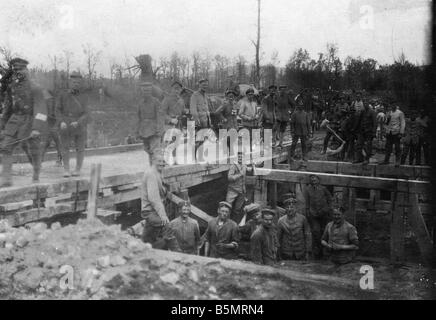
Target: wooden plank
<point x="93" y="191"/>
<point x="397" y="230"/>
<point x="352" y="205"/>
<point x="399" y="185"/>
<point x="409" y="172"/>
<point x="419" y="228"/>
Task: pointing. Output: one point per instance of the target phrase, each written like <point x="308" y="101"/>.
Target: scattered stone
<point x="134" y="245"/>
<point x="38" y="227"/>
<point x="9" y="246"/>
<point x="56" y="226"/>
<point x="170" y="278"/>
<point x="193" y="275"/>
<point x="22" y="242"/>
<point x="117" y="261"/>
<point x="148" y="246"/>
<point x="104" y="262"/>
<point x="4" y="226"/>
<point x="212" y="289"/>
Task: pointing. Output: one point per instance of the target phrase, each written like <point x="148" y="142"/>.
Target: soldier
<point x="53" y="130"/>
<point x="395" y="126"/>
<point x="318" y="207"/>
<point x="294" y="236"/>
<point x="411" y="141"/>
<point x="23" y="120"/>
<point x="229" y="112"/>
<point x="254" y="218"/>
<point x="269" y="104"/>
<point x="150" y="120"/>
<point x="264" y="242"/>
<point x="248" y="111"/>
<point x="284" y="106"/>
<point x="73" y="114"/>
<point x="366" y="128"/>
<point x="186" y="230"/>
<point x="236" y="189"/>
<point x="153" y="194"/>
<point x="185" y="95"/>
<point x="222" y="234"/>
<point x="300" y="130"/>
<point x="200" y="106"/>
<point x="340" y="238"/>
<point x="172" y="106"/>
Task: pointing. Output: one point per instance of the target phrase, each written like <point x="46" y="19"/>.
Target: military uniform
<point x="269" y="104"/>
<point x="72" y="106"/>
<point x="150" y="124"/>
<point x="294" y="236"/>
<point x="53" y="129"/>
<point x="200" y="110"/>
<point x="24" y="114"/>
<point x="366" y="131"/>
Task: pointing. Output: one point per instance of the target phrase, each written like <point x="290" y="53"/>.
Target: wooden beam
<point x="400" y="185"/>
<point x="93" y="190"/>
<point x="420" y="230"/>
<point x="406" y="172"/>
<point x="397" y="229"/>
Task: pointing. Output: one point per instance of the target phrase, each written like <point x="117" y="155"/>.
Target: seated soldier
<point x="340" y="238"/>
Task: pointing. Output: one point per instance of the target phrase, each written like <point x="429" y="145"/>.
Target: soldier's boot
<point x="6" y="176"/>
<point x="79" y="163"/>
<point x="36" y="172"/>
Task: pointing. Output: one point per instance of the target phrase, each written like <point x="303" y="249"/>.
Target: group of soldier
<point x="33" y="116"/>
<point x="319" y="231"/>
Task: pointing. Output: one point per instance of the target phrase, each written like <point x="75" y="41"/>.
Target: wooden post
<point x="93" y="190"/>
<point x="260" y="192"/>
<point x="273" y="194"/>
<point x="397" y="229"/>
<point x="420" y="229"/>
<point x="352" y="205"/>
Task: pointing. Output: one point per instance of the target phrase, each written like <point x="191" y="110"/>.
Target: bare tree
<point x="257" y="45"/>
<point x="92" y="58"/>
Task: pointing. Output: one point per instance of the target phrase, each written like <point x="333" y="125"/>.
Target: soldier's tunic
<point x="344" y="234"/>
<point x="25" y="112"/>
<point x="187" y="233"/>
<point x="153" y="195"/>
<point x="200" y="112"/>
<point x="53" y="128"/>
<point x="172" y="108"/>
<point x="295" y="238"/>
<point x="284" y="105"/>
<point x="269" y="111"/>
<point x="366" y="131"/>
<point x="228" y="115"/>
<point x="263" y="246"/>
<point x="150" y="124"/>
<point x="72" y="106"/>
<point x="222" y="232"/>
<point x="236" y="189"/>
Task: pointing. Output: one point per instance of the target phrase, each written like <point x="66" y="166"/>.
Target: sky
<point x="379" y="29"/>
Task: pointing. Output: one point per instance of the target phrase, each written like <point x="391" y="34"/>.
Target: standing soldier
<point x="53" y="130"/>
<point x="366" y="131"/>
<point x="294" y="236"/>
<point x="229" y="112"/>
<point x="200" y="106"/>
<point x="73" y="114"/>
<point x="318" y="208"/>
<point x="236" y="189"/>
<point x="284" y="105"/>
<point x="264" y="242"/>
<point x="269" y="104"/>
<point x="172" y="106"/>
<point x="300" y="130"/>
<point x="150" y="121"/>
<point x="248" y="111"/>
<point x="23" y="121"/>
<point x="395" y="126"/>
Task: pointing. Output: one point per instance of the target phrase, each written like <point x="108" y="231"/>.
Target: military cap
<point x="253" y="207"/>
<point x="230" y="92"/>
<point x="75" y="74"/>
<point x="273" y="86"/>
<point x="290" y="201"/>
<point x="225" y="204"/>
<point x="184" y="204"/>
<point x="19" y="62"/>
<point x="249" y="91"/>
<point x="176" y="83"/>
<point x="146" y="84"/>
<point x="203" y="80"/>
<point x="268" y="211"/>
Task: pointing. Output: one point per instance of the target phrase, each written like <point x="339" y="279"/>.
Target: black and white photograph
<point x="228" y="152"/>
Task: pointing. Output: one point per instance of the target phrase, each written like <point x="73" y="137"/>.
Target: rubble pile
<point x="91" y="260"/>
